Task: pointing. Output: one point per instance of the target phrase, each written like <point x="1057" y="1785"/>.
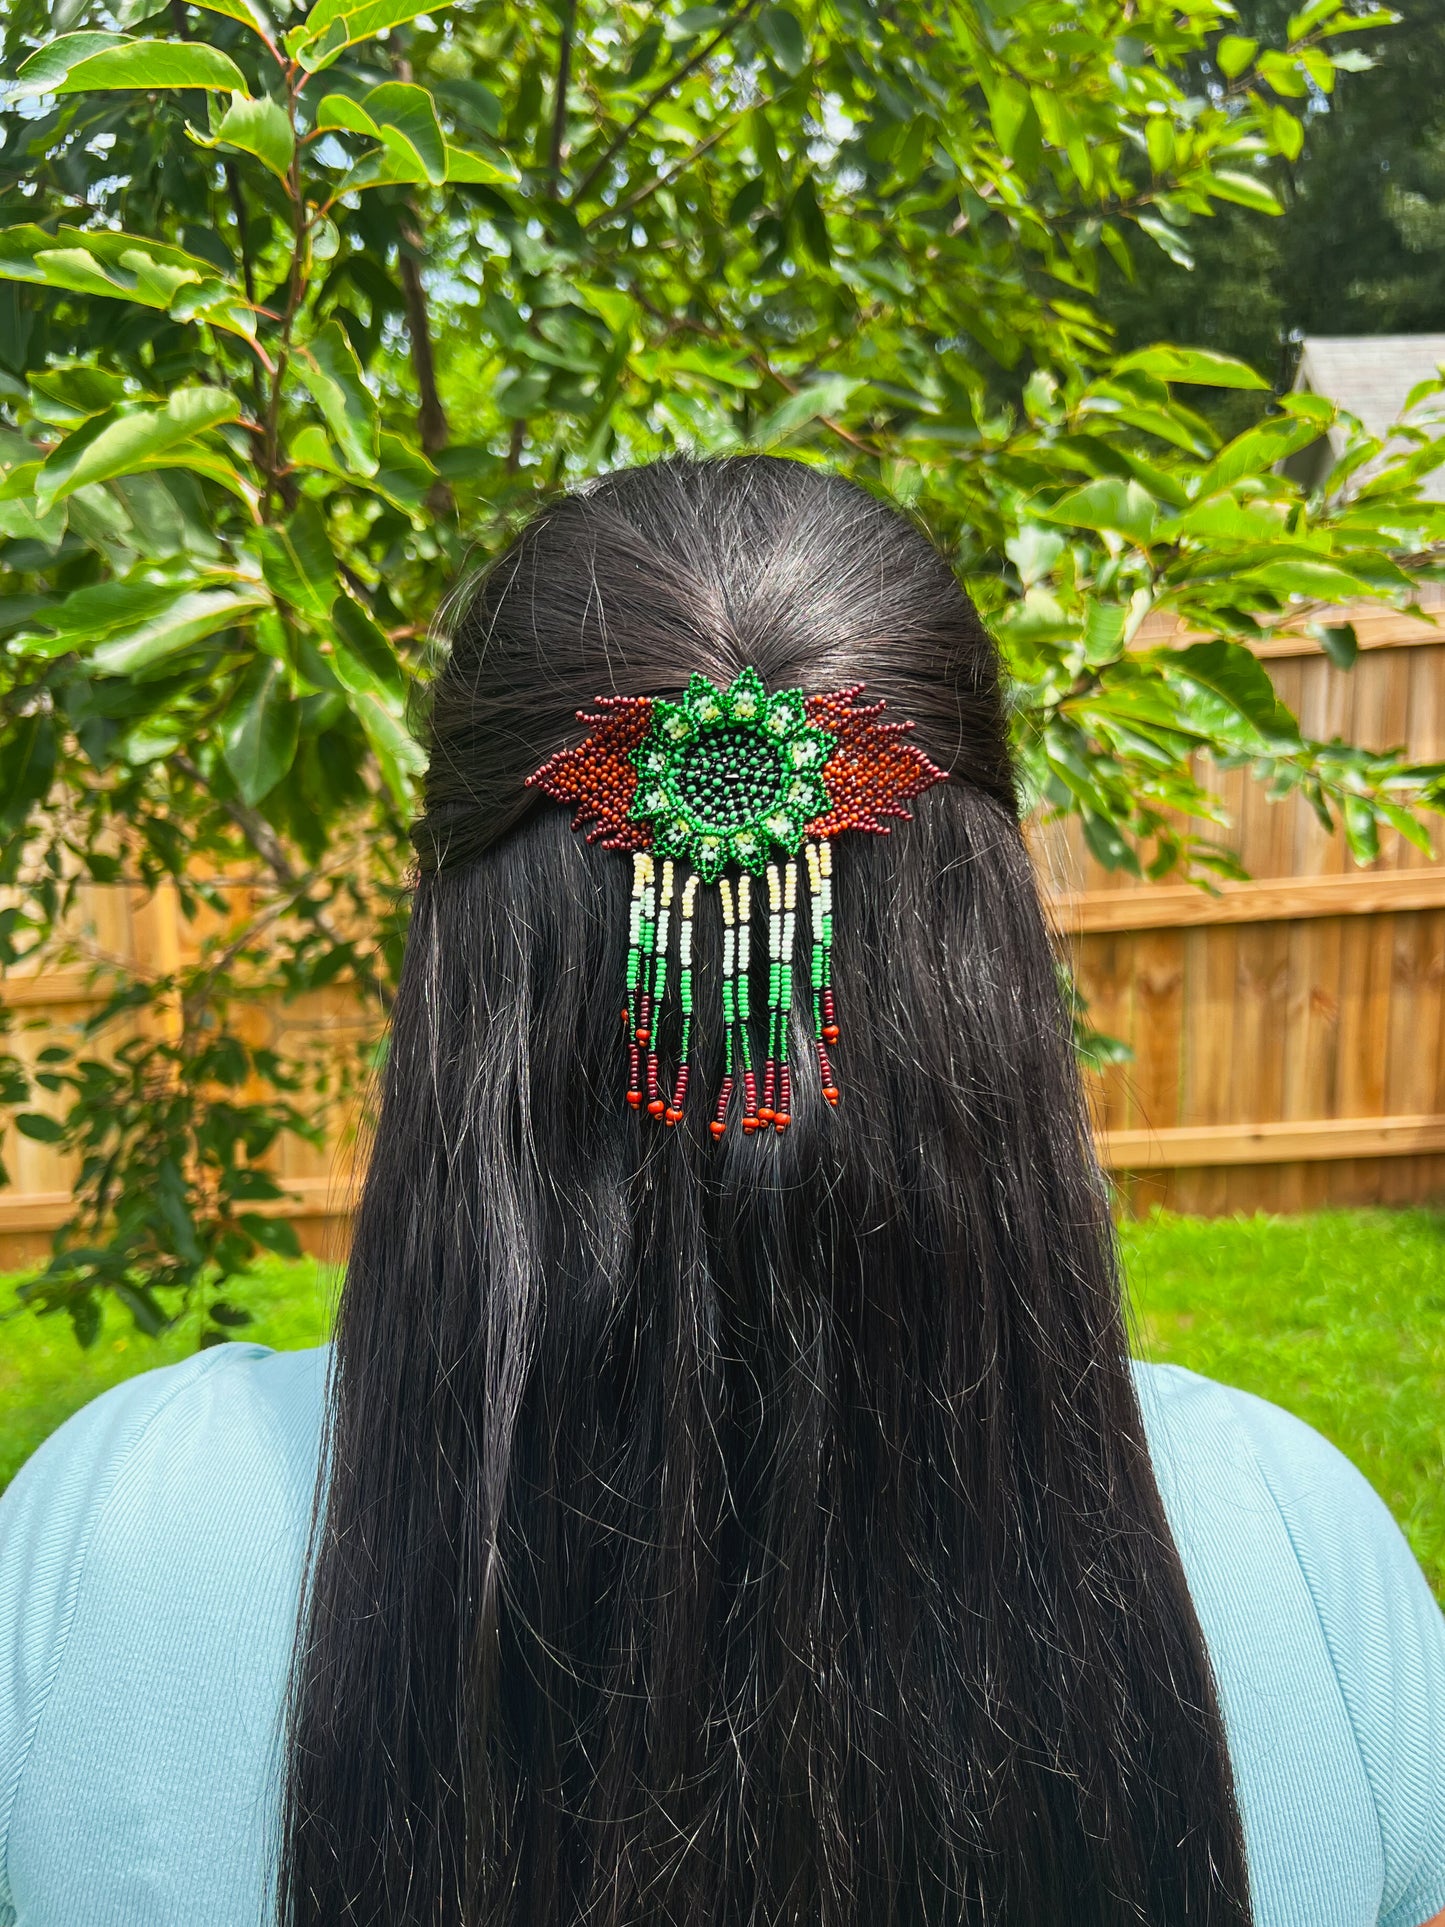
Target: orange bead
<point x="750" y="1124"/>
<point x="830" y="1091"/>
<point x="781" y="1121"/>
<point x="766" y="1116"/>
<point x="673" y="1114"/>
<point x="830" y="1033"/>
<point x="634" y="1098"/>
<point x="656" y="1107"/>
<point x="717" y="1127"/>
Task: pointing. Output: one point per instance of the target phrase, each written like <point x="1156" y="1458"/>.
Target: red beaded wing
<point x="874" y="771"/>
<point x="599" y="777"/>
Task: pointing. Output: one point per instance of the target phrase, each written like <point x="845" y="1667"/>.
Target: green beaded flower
<point x="724" y="776"/>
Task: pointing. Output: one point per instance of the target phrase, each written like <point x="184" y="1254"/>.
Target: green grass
<point x="45" y="1376"/>
<point x="1340" y="1316"/>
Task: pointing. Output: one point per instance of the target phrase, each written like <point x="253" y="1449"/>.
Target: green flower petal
<point x="805" y="795"/>
<point x="747" y="699"/>
<point x="749" y="850"/>
<point x="809" y="749"/>
<point x="785" y="826"/>
<point x="710" y="855"/>
<point x="704" y="702"/>
<point x="671" y="724"/>
<point x="785" y="716"/>
<point x="673" y="837"/>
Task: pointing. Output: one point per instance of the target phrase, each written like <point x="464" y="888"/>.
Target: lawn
<point x="1340" y="1316"/>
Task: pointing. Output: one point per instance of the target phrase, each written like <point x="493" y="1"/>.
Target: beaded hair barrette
<point x="721" y="787"/>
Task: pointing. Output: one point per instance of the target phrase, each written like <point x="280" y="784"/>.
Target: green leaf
<point x="260" y="730"/>
<point x="193" y="615"/>
<point x="364" y="659"/>
<point x="1110" y="503"/>
<point x="395" y="748"/>
<point x="90" y="614"/>
<point x="246" y="11"/>
<point x="124" y="268"/>
<point x="1166" y="238"/>
<point x="1309" y="17"/>
<point x="85" y="1319"/>
<point x="1199" y="366"/>
<point x="828" y="395"/>
<point x="328" y="368"/>
<point x="464" y="164"/>
<point x="44" y="1130"/>
<point x="123" y="437"/>
<point x="333" y="25"/>
<point x="28" y="766"/>
<point x="1320" y="580"/>
<point x="407" y="117"/>
<point x="1256" y="451"/>
<point x="43" y="72"/>
<point x="1339" y="642"/>
<point x="1233" y="54"/>
<point x="272" y="1234"/>
<point x="783" y="36"/>
<point x="298" y="563"/>
<point x="21" y="521"/>
<point x="1246" y="190"/>
<point x="340" y="113"/>
<point x="403" y="118"/>
<point x="256" y="127"/>
<point x="154" y="63"/>
<point x="1231" y="672"/>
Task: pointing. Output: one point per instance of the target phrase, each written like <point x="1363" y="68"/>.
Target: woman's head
<point x="636" y="581"/>
<point x="754" y="1531"/>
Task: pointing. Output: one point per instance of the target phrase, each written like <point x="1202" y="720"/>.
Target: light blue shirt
<point x="150" y="1567"/>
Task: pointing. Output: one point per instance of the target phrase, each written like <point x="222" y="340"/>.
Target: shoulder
<point x="137" y="1491"/>
<point x="1287" y="1545"/>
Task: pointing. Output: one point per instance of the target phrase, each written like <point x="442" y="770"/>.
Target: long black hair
<point x="739" y="1534"/>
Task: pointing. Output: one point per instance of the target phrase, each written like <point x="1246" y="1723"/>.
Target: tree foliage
<point x="299" y="313"/>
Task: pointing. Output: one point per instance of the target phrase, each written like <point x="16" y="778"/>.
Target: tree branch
<point x="559" y="105"/>
<point x="728" y="28"/>
<point x="431" y="416"/>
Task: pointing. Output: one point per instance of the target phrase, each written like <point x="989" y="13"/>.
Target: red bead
<point x="830" y="1091"/>
<point x="717" y="1127"/>
<point x="644" y="1037"/>
<point x="634" y="1098"/>
<point x="673" y="1114"/>
<point x="656" y="1107"/>
<point x="830" y="1032"/>
<point x="781" y="1121"/>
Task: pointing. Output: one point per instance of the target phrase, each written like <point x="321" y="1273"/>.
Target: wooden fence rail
<point x="1287" y="1034"/>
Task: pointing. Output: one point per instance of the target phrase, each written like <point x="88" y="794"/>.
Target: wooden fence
<point x="117" y="924"/>
<point x="1287" y="1033"/>
<point x="1289" y="1048"/>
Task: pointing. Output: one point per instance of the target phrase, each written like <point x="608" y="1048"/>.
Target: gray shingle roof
<point x="1371" y="376"/>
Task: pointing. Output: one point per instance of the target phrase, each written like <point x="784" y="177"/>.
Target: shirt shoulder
<point x="102" y="1502"/>
<point x="1223" y="1457"/>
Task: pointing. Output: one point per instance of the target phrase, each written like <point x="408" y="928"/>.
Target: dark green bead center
<point x="729" y="777"/>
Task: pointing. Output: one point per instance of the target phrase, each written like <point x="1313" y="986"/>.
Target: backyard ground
<point x="1340" y="1316"/>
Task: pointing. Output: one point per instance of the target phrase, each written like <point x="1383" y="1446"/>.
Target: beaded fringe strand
<point x="655" y="898"/>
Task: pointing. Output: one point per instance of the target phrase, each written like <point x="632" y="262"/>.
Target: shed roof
<point x="1371" y="376"/>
